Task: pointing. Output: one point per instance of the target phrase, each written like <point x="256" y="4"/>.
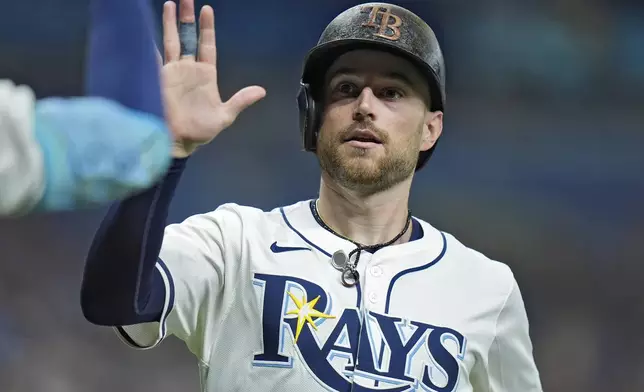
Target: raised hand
<point x="194" y="108"/>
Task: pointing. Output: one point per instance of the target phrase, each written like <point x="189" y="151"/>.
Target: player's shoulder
<point x="472" y="262"/>
<point x="234" y="214"/>
<point x="246" y="212"/>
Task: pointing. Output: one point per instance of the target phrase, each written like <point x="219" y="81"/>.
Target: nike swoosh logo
<point x="279" y="249"/>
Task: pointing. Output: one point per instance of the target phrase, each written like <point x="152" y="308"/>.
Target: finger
<point x="171" y="44"/>
<point x="243" y="99"/>
<point x="187" y="11"/>
<point x="207" y="41"/>
<point x="187" y="29"/>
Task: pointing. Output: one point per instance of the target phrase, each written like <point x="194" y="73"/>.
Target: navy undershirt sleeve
<point x="121" y="285"/>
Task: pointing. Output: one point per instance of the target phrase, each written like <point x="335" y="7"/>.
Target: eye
<point x="346" y="88"/>
<point x="391" y="94"/>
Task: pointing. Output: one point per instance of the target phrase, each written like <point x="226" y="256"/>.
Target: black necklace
<point x="350" y="276"/>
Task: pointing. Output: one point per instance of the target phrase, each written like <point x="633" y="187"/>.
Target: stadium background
<point x="540" y="166"/>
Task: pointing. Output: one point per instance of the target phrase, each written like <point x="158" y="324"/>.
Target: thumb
<point x="243" y="99"/>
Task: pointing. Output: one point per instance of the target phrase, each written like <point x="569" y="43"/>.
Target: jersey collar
<point x="301" y="222"/>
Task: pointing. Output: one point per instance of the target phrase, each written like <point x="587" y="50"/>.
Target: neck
<point x="367" y="220"/>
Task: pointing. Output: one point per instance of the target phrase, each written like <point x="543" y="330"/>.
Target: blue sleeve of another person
<point x="97" y="150"/>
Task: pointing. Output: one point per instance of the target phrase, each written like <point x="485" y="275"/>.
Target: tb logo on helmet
<point x="386" y="30"/>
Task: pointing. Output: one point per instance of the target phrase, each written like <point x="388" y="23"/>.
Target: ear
<point x="432" y="129"/>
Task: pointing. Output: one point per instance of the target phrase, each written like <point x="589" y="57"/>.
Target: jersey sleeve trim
<point x="127" y="338"/>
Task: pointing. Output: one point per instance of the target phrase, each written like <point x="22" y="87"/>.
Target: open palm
<point x="195" y="111"/>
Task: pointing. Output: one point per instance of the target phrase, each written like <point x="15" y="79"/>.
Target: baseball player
<point x="344" y="292"/>
<point x="65" y="153"/>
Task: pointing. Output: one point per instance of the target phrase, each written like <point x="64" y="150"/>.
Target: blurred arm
<point x="122" y="62"/>
<point x="58" y="154"/>
<point x="96" y="151"/>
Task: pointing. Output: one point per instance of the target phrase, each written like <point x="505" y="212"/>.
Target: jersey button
<point x="376" y="271"/>
<point x="373" y="297"/>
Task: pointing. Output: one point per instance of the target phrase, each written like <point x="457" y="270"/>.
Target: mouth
<point x="363" y="139"/>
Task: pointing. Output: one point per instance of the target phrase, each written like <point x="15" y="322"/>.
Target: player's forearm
<point x="120" y="284"/>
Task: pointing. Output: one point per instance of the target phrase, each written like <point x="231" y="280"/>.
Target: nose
<point x="365" y="104"/>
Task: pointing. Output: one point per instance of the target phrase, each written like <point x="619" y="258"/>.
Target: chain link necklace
<point x="350" y="275"/>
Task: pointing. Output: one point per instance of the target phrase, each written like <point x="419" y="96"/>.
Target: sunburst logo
<point x="305" y="312"/>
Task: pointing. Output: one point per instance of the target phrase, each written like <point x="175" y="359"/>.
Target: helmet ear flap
<point x="309" y="119"/>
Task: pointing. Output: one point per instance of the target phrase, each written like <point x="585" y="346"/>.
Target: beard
<point x="367" y="171"/>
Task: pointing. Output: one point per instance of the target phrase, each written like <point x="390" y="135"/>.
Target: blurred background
<point x="540" y="166"/>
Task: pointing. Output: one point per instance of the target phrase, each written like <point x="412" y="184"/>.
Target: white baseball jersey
<point x="255" y="298"/>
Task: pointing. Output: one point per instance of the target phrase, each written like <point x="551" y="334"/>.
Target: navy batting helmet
<point x="377" y="26"/>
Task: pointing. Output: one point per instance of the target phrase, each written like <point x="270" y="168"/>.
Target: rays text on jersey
<point x="350" y="349"/>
